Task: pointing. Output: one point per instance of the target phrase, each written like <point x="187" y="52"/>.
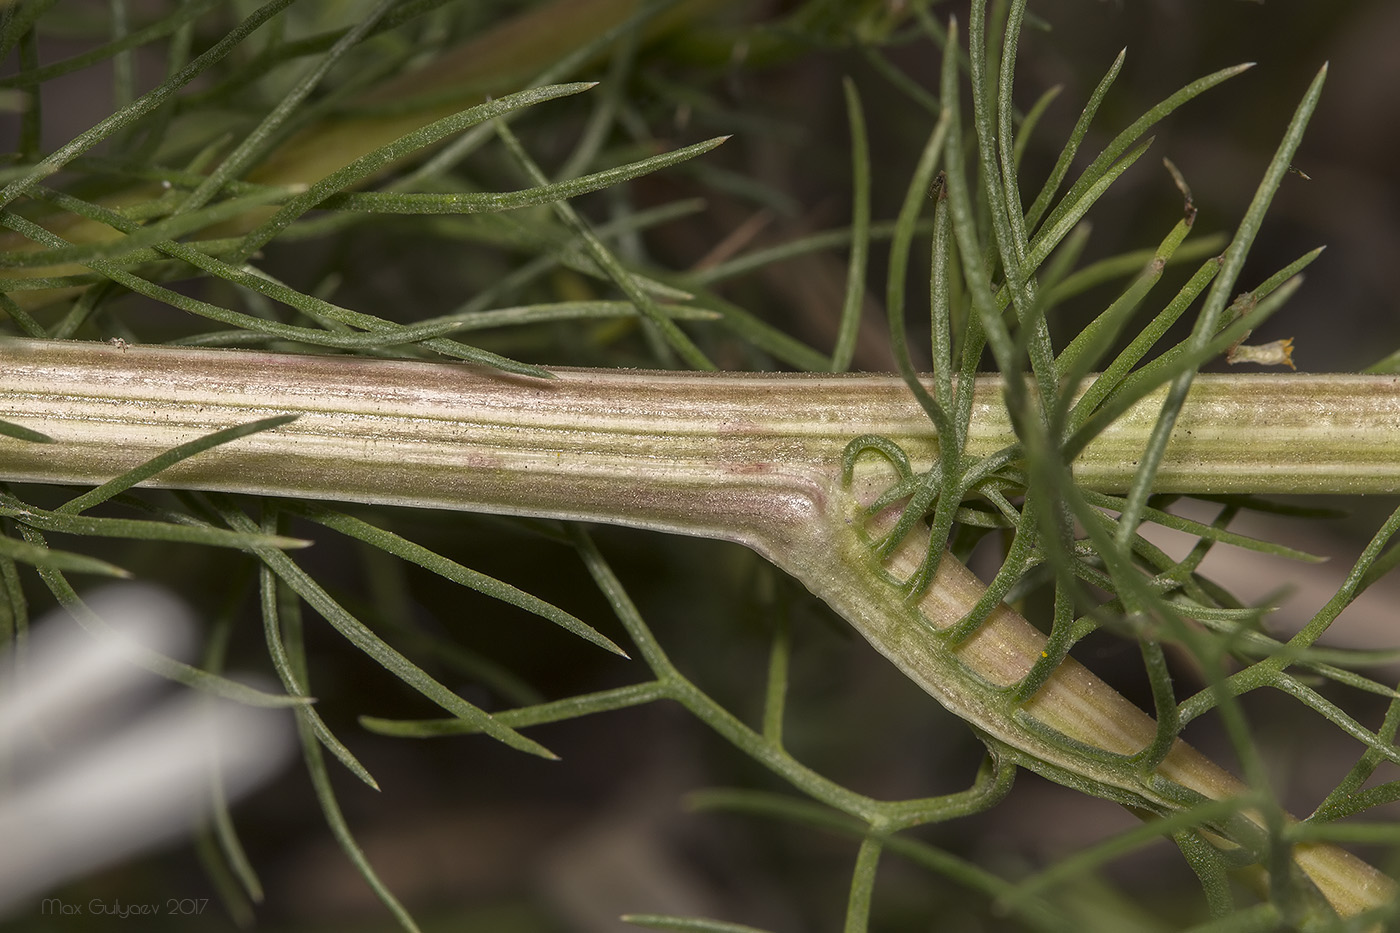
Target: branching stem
<point x="752" y="458"/>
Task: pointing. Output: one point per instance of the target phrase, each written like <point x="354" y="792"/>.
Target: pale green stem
<point x="752" y="458"/>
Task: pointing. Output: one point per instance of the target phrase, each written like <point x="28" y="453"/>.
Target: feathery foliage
<point x="394" y="180"/>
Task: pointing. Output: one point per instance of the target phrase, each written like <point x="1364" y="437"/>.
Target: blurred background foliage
<point x="472" y="836"/>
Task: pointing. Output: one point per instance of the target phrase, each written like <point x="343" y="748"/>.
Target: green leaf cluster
<point x="191" y="215"/>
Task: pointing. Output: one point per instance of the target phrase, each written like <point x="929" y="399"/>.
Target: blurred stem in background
<point x="870" y="490"/>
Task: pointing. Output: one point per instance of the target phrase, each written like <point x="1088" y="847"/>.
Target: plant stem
<point x="752" y="458"/>
<point x="512" y="55"/>
<point x="667" y="450"/>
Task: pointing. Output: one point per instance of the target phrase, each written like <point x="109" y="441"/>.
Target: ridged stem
<point x="752" y="458"/>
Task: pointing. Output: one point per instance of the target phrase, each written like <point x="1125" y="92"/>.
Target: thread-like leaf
<point x="451" y="570"/>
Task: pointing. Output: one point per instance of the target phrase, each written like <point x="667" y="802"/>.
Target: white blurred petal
<point x="69" y="675"/>
<point x="74" y="810"/>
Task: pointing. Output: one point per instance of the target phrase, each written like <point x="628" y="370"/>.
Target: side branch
<point x="753" y="458"/>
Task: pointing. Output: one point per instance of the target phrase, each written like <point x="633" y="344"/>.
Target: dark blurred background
<point x="1222" y="141"/>
<point x="473" y="837"/>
